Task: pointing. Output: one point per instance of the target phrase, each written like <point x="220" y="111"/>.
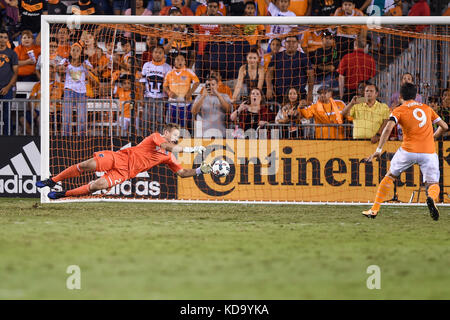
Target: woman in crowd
<point x="77" y="70"/>
<point x="251" y="74"/>
<point x="288" y="114"/>
<point x="252" y="114"/>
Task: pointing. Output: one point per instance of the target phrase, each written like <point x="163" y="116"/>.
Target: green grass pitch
<point x="219" y="251"/>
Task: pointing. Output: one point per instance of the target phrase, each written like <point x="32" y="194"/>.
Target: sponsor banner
<point x="297" y="170"/>
<point x="20" y="166"/>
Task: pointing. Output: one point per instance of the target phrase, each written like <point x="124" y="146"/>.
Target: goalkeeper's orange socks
<point x="433" y="191"/>
<point x="382" y="192"/>
<point x="70" y="172"/>
<point x="80" y="191"/>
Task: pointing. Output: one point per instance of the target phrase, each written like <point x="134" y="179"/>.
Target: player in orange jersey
<point x="125" y="164"/>
<point x="416" y="120"/>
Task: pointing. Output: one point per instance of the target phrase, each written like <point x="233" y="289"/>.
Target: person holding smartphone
<point x="211" y="107"/>
<point x="368" y="114"/>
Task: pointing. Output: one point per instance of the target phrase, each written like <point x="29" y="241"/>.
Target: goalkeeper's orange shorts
<point x="115" y="166"/>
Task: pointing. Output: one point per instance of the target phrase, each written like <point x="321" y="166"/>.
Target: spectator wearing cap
<point x="326" y="111"/>
<point x="325" y="61"/>
<point x="355" y="67"/>
<point x="368" y="114"/>
<point x="185" y="11"/>
<point x="289" y="68"/>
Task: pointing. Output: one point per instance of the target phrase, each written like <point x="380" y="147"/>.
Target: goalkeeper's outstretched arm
<point x="186" y="173"/>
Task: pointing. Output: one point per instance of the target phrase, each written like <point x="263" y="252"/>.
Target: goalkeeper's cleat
<point x="434" y="212"/>
<point x="46" y="183"/>
<point x="56" y="194"/>
<point x="370" y="213"/>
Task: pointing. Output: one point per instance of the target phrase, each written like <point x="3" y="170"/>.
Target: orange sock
<point x="433" y="191"/>
<point x="382" y="192"/>
<point x="70" y="172"/>
<point x="80" y="191"/>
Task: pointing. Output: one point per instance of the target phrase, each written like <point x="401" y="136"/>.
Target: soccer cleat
<point x="46" y="183"/>
<point x="56" y="194"/>
<point x="370" y="213"/>
<point x="434" y="212"/>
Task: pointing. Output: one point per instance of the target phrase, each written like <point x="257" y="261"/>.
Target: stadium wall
<point x="269" y="170"/>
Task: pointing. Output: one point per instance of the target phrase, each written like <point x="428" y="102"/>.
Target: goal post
<point x="271" y="162"/>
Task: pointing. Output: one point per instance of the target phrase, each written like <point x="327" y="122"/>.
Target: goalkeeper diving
<point x="126" y="164"/>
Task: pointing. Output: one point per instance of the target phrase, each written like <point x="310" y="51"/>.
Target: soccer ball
<point x="221" y="168"/>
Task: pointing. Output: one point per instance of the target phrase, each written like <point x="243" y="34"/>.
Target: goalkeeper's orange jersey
<point x="146" y="155"/>
<point x="416" y="120"/>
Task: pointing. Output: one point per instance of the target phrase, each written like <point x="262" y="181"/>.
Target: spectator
<point x="237" y="7"/>
<point x="202" y="10"/>
<point x="275" y="46"/>
<point x="354" y="67"/>
<point x="251" y="75"/>
<point x="280" y="9"/>
<point x="326" y="111"/>
<point x="185" y="11"/>
<point x="289" y="68"/>
<point x="55" y="59"/>
<point x="202" y="61"/>
<point x="301" y="7"/>
<point x="30" y="12"/>
<point x="153" y="74"/>
<point x="76" y="69"/>
<point x="11" y="16"/>
<point x="119" y="6"/>
<point x="226" y="56"/>
<point x="395" y="98"/>
<point x="251" y="31"/>
<point x="324" y="7"/>
<point x="326" y="61"/>
<point x="9" y="68"/>
<point x="175" y="45"/>
<point x="63" y="42"/>
<point x="124" y="60"/>
<point x="141" y="9"/>
<point x="179" y="84"/>
<point x="383" y="8"/>
<point x="124" y="94"/>
<point x="221" y="87"/>
<point x="347" y="34"/>
<point x="420" y="8"/>
<point x="444" y="109"/>
<point x="56" y="7"/>
<point x="252" y="114"/>
<point x="56" y="93"/>
<point x="369" y="115"/>
<point x="84" y="7"/>
<point x="311" y="41"/>
<point x="150" y="43"/>
<point x="288" y="114"/>
<point x="27" y="52"/>
<point x="212" y="106"/>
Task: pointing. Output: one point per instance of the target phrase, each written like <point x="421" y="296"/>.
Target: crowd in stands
<point x="260" y="76"/>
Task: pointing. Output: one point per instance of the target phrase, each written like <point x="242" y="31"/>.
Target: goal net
<point x="108" y="82"/>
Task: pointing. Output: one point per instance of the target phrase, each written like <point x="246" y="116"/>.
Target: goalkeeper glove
<point x="197" y="149"/>
<point x="204" y="168"/>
